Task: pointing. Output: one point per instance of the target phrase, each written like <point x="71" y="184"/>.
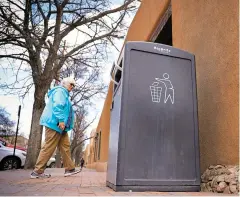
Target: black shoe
<point x="71" y="172"/>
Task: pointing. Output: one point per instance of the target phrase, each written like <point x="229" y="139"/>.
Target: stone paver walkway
<point x="86" y="183"/>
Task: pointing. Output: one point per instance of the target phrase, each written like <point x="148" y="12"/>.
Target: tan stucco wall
<point x="104" y="125"/>
<point x="209" y="29"/>
<point x="86" y="154"/>
<point x="91" y="148"/>
<point x="98" y="166"/>
<point x="91" y="165"/>
<point x="101" y="166"/>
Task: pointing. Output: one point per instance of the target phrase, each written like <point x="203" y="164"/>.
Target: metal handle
<point x="115" y="65"/>
<point x="112" y="106"/>
<point x="113" y="80"/>
<point x="118" y="67"/>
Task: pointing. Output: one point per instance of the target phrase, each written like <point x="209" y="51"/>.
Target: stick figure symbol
<point x="167" y="85"/>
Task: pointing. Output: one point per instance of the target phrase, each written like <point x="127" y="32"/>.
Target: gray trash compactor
<point x="153" y="143"/>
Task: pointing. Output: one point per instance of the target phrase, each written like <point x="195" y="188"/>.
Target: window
<point x="99" y="145"/>
<point x="163" y="33"/>
<point x="165" y="36"/>
<point x="95" y="147"/>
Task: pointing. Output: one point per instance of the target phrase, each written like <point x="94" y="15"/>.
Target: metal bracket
<point x="114" y="67"/>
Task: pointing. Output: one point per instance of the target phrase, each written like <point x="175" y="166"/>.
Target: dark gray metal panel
<point x="114" y="137"/>
<point x="158" y="141"/>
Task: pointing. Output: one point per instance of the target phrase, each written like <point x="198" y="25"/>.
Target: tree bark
<point x="35" y="138"/>
<point x="58" y="159"/>
<point x="78" y="155"/>
<point x="72" y="147"/>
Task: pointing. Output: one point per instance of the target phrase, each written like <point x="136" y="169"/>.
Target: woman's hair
<point x="67" y="81"/>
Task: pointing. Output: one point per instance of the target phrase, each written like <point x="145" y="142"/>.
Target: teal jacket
<point x="57" y="110"/>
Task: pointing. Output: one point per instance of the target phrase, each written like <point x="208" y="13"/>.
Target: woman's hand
<point x="61" y="125"/>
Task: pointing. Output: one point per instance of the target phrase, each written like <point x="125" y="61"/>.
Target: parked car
<point x="51" y="163"/>
<point x="8" y="161"/>
<point x="7" y="144"/>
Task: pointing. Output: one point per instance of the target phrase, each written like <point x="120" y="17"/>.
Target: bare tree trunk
<point x="72" y="147"/>
<point x="78" y="155"/>
<point x="35" y="138"/>
<point x="58" y="159"/>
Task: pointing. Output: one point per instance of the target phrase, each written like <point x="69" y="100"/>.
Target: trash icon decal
<point x="162" y="86"/>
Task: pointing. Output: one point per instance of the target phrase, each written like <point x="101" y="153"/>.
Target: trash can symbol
<point x="157" y="87"/>
<point x="156" y="92"/>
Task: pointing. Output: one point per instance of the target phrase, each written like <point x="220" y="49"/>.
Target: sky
<point x="12" y="102"/>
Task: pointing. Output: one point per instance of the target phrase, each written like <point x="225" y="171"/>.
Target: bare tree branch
<point x="8" y="19"/>
<point x="14" y="3"/>
<point x="15" y="56"/>
<point x="89" y="20"/>
<point x="31" y="42"/>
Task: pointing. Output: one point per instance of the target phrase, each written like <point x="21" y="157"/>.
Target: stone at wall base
<point x="221" y="179"/>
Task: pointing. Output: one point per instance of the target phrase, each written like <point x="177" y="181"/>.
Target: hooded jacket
<point x="57" y="109"/>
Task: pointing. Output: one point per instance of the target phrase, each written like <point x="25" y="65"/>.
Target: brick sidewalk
<point x="86" y="183"/>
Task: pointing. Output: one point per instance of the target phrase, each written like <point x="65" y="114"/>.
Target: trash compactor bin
<point x="153" y="143"/>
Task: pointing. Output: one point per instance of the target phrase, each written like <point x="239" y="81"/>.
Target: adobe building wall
<point x="104" y="128"/>
<point x="86" y="155"/>
<point x="91" y="150"/>
<point x="104" y="125"/>
<point x="209" y="29"/>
